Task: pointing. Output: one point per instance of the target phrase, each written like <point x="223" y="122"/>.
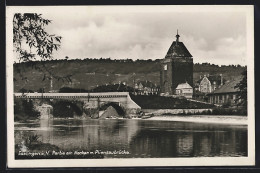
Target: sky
<point x="213" y="35"/>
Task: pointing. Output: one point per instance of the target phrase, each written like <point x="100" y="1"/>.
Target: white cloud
<point x="228" y="51"/>
<point x="147" y="34"/>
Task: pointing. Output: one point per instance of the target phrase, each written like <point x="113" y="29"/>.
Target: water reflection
<point x="184" y="144"/>
<point x="48" y="126"/>
<point x="141" y="138"/>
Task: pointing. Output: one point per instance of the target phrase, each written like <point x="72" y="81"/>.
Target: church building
<point x="176" y="68"/>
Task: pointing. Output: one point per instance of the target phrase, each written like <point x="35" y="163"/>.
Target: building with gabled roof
<point x="209" y="83"/>
<point x="185" y="90"/>
<point x="146" y="88"/>
<point x="226" y="94"/>
<point x="176" y="68"/>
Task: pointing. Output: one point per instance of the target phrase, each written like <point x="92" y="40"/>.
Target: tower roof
<point x="177" y="49"/>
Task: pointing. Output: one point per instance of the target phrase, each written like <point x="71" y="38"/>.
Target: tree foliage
<point x="30" y="38"/>
<point x="242" y="86"/>
<point x="25" y="108"/>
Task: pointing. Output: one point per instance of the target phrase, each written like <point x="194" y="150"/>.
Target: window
<point x="165" y="67"/>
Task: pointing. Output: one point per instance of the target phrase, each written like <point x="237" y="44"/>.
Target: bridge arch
<point x="116" y="105"/>
<point x="91" y="102"/>
<point x="66" y="108"/>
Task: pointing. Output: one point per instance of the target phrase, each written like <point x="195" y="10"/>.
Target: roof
<point x="147" y="84"/>
<point x="212" y="78"/>
<point x="46" y="105"/>
<point x="215" y="78"/>
<point x="228" y="87"/>
<point x="183" y="86"/>
<point x="178" y="50"/>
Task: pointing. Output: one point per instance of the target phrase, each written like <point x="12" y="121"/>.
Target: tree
<point x="41" y="90"/>
<point x="242" y="86"/>
<point x="25" y="91"/>
<point x="30" y="38"/>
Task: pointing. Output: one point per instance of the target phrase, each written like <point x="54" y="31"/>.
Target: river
<point x="137" y="138"/>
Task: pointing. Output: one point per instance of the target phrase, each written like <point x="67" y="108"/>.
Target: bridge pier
<point x="46" y="111"/>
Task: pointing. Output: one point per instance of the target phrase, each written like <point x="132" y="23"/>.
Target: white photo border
<point x="193" y="161"/>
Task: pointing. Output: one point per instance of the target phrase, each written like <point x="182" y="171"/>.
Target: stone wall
<point x="132" y="107"/>
<point x="174" y="111"/>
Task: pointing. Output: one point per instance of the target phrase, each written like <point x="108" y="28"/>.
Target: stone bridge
<point x="87" y="101"/>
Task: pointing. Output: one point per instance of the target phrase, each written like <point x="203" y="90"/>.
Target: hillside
<point x="89" y="73"/>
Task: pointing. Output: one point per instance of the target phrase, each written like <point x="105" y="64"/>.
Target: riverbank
<point x="236" y="120"/>
<point x="217" y="119"/>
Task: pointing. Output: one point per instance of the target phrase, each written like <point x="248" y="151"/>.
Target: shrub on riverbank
<point x="32" y="148"/>
<point x="24" y="110"/>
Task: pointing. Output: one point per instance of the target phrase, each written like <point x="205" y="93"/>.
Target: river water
<point x="139" y="138"/>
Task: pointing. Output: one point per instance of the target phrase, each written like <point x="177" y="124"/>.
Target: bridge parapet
<point x="71" y="95"/>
